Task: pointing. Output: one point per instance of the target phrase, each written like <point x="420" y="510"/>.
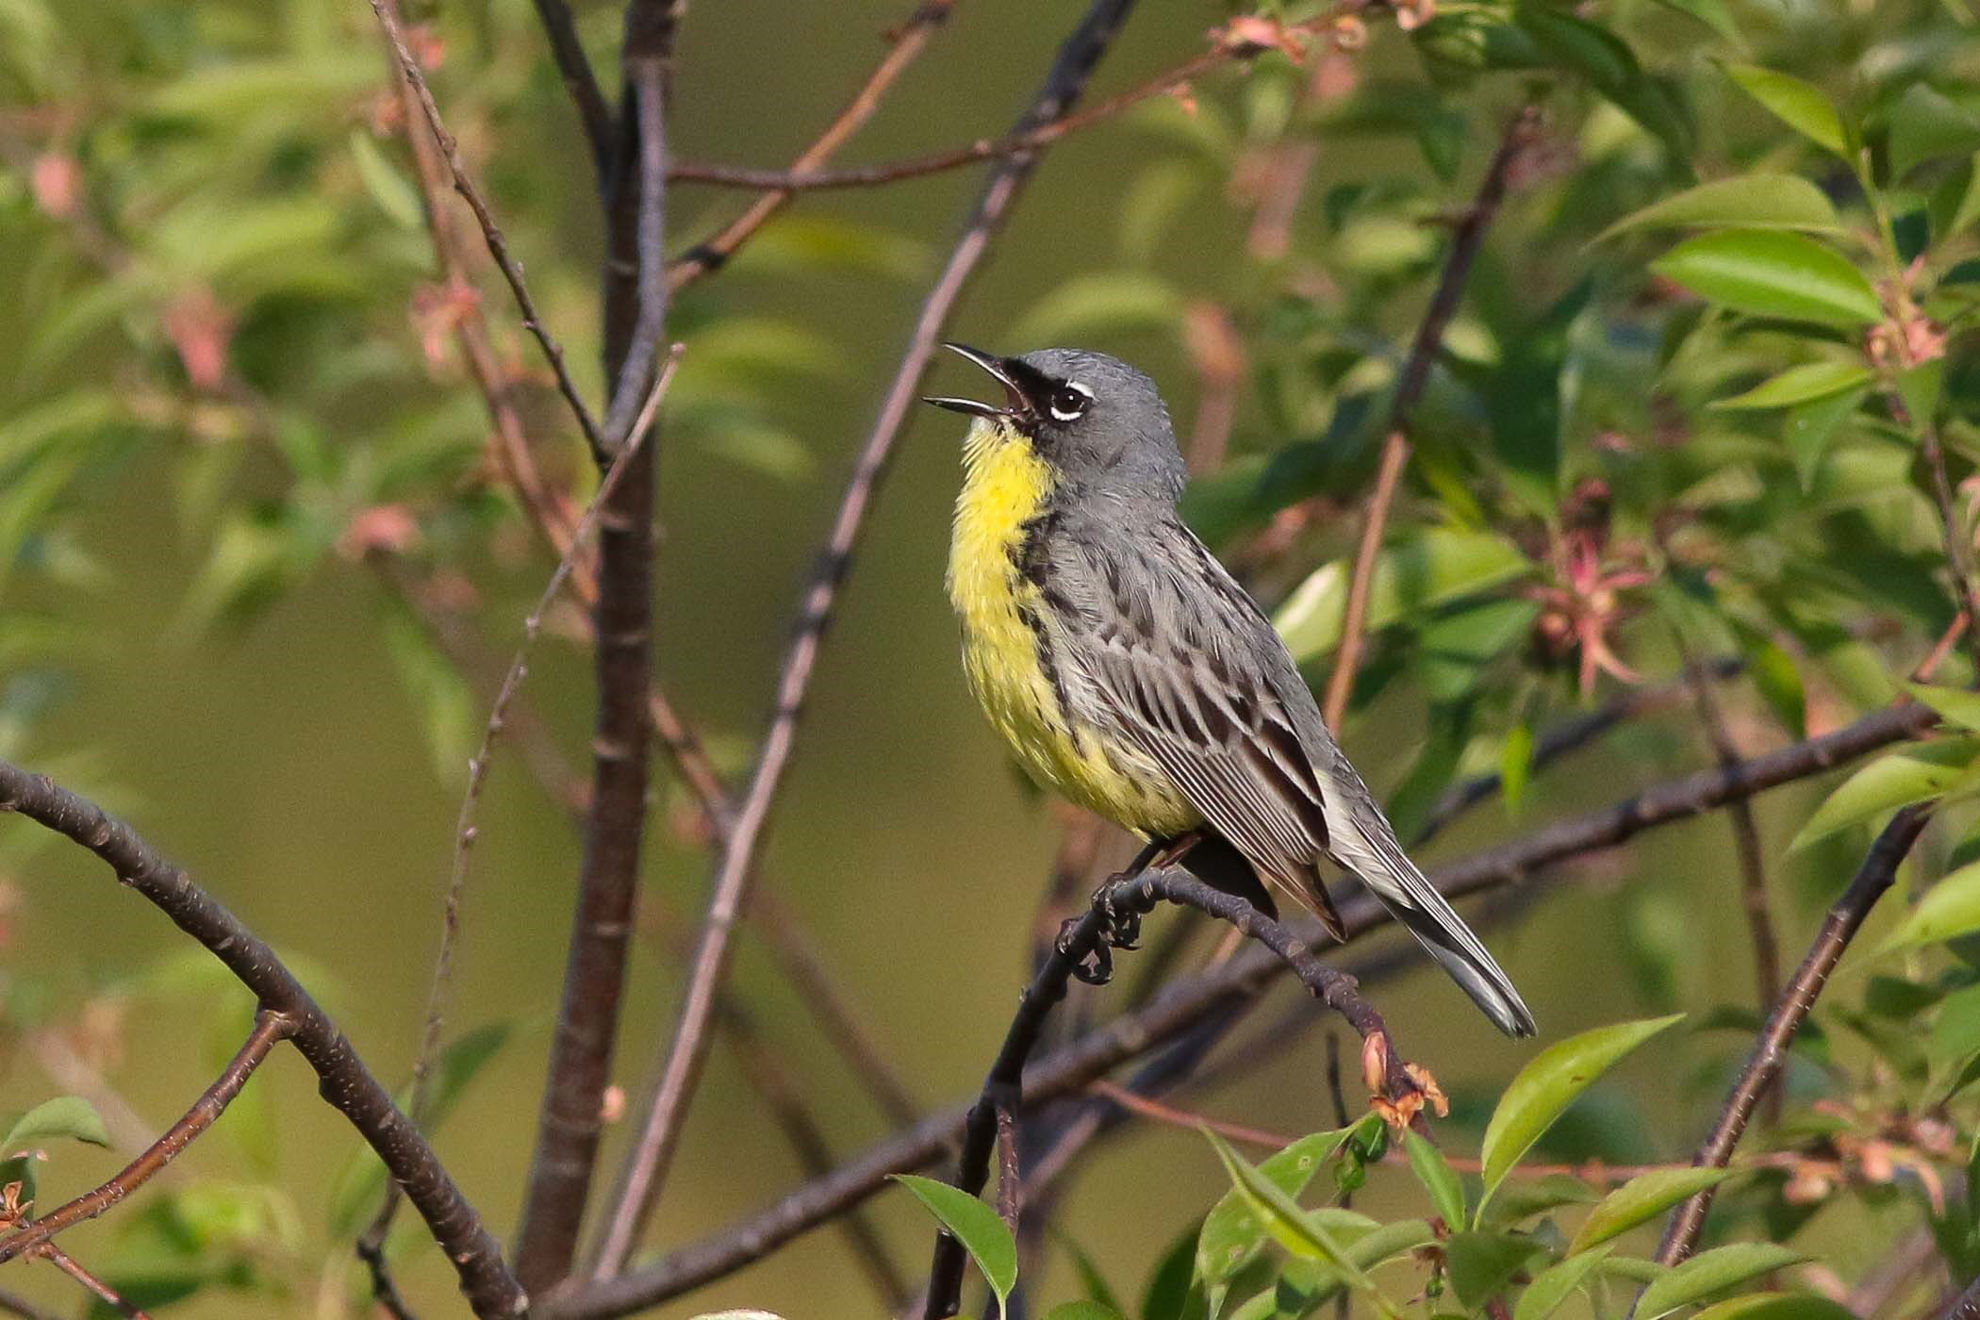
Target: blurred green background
<point x="188" y="643"/>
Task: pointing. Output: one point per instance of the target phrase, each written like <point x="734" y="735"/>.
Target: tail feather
<point x="1458" y="951"/>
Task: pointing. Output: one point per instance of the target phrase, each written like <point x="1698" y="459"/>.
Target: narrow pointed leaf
<point x="1233" y="1231"/>
<point x="1801" y="384"/>
<point x="1949" y="909"/>
<point x="1772" y="273"/>
<point x="1750" y="201"/>
<point x="1295" y="1230"/>
<point x="1957" y="705"/>
<point x="1896" y="779"/>
<point x="1547" y="1085"/>
<point x="1802" y="106"/>
<point x="1642" y="1198"/>
<point x="1713" y="1271"/>
<point x="1434" y="1172"/>
<point x="1555" y="1285"/>
<point x="975" y="1225"/>
<point x="68" y="1116"/>
<point x="1482" y="1264"/>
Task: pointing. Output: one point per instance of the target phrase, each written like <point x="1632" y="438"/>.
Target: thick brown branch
<point x="345" y="1082"/>
<point x="1770" y="1051"/>
<point x="269" y="1028"/>
<point x="663" y="1117"/>
<point x="905" y="43"/>
<point x="1466" y="239"/>
<point x="608" y="881"/>
<point x="1186" y="1003"/>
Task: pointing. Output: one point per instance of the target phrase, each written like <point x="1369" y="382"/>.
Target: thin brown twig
<point x="16" y="1305"/>
<point x="663" y="1117"/>
<point x="1183" y="1005"/>
<point x="346" y="1083"/>
<point x="1959" y="542"/>
<point x="68" y="1264"/>
<point x="1752" y="860"/>
<point x="269" y="1029"/>
<point x="466" y="832"/>
<point x="905" y="43"/>
<point x="491" y="233"/>
<point x="1467" y="236"/>
<point x="1025" y="139"/>
<point x="1770" y="1051"/>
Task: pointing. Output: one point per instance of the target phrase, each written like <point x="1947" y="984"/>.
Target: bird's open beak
<point x="1017" y="406"/>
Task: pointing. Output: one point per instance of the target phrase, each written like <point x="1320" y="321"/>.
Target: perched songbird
<point x="1133" y="675"/>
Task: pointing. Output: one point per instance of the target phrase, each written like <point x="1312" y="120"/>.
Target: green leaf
<point x="1895" y="779"/>
<point x="1714" y="14"/>
<point x="1296" y="1230"/>
<point x="1434" y="1172"/>
<point x="1776" y="1306"/>
<point x="973" y="1224"/>
<point x="1642" y="1198"/>
<point x="1482" y="1264"/>
<point x="1523" y="1198"/>
<point x="1926" y="124"/>
<point x="1751" y="201"/>
<point x="1516" y="766"/>
<point x="1799" y="105"/>
<point x="1433" y="568"/>
<point x="1555" y="1285"/>
<point x="68" y="1116"/>
<point x="1082" y="1310"/>
<point x="1957" y="705"/>
<point x="1091" y="1281"/>
<point x="1953" y="1050"/>
<point x="1920" y="387"/>
<point x="1949" y="909"/>
<point x="1772" y="273"/>
<point x="395" y="195"/>
<point x="1778" y="680"/>
<point x="1233" y="1231"/>
<point x="1800" y="384"/>
<point x="1713" y="1271"/>
<point x="1811" y="426"/>
<point x="1547" y="1085"/>
<point x="1169" y="1293"/>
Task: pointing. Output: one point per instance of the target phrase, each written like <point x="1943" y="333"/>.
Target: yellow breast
<point x="1005" y="485"/>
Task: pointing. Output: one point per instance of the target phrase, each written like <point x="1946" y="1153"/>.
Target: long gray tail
<point x="1440" y="931"/>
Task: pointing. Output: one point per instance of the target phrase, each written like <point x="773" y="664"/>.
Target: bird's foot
<point x="1121" y="928"/>
<point x="1097" y="968"/>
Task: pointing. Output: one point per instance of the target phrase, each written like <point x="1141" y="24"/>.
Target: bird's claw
<point x="1121" y="924"/>
<point x="1100" y="969"/>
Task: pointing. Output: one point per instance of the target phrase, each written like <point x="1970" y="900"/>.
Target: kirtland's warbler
<point x="1132" y="674"/>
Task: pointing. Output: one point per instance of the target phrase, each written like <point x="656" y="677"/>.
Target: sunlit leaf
<point x="1294" y="1228"/>
<point x="1555" y="1285"/>
<point x="1434" y="1172"/>
<point x="1430" y="569"/>
<point x="1800" y="105"/>
<point x="395" y="194"/>
<point x="66" y="1116"/>
<point x="1747" y="201"/>
<point x="1711" y="1272"/>
<point x="1234" y="1231"/>
<point x="1776" y="1306"/>
<point x="973" y="1224"/>
<point x="1772" y="273"/>
<point x="1642" y="1198"/>
<point x="1957" y="705"/>
<point x="1547" y="1085"/>
<point x="1801" y="384"/>
<point x="1895" y="779"/>
<point x="1950" y="908"/>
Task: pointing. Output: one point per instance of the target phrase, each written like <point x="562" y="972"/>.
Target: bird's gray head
<point x="1096" y="419"/>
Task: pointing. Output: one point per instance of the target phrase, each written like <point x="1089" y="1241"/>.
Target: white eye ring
<point x="1066" y="409"/>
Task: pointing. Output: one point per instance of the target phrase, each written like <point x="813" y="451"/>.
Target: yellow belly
<point x="1005" y="484"/>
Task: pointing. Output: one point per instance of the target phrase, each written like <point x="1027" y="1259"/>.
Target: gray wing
<point x="1161" y="648"/>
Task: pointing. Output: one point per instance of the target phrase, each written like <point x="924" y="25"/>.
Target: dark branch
<point x="561" y="28"/>
<point x="1131" y="891"/>
<point x="664" y="1116"/>
<point x="1770" y="1052"/>
<point x="1183" y="1005"/>
<point x="608" y="880"/>
<point x="269" y="1028"/>
<point x="1466" y="240"/>
<point x="345" y="1082"/>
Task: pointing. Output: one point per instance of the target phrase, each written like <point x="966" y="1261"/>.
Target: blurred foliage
<point x="1687" y="409"/>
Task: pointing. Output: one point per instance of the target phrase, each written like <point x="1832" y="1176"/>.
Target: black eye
<point x="1070" y="400"/>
